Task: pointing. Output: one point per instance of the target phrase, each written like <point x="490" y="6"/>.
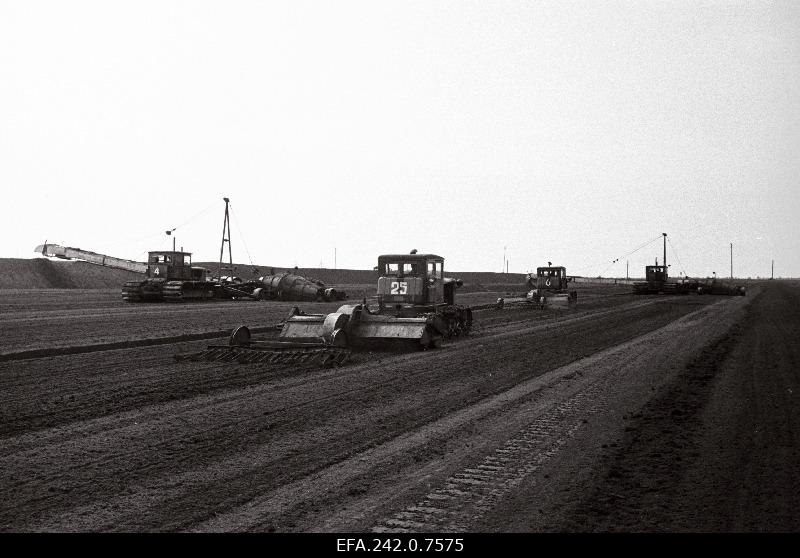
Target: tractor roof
<point x="169" y="253"/>
<point x="408" y="257"/>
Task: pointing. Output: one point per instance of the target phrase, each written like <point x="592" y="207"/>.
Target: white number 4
<point x="399" y="288"/>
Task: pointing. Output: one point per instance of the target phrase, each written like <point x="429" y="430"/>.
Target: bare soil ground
<point x="624" y="413"/>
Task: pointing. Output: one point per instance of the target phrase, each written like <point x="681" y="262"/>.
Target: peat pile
<point x="42" y="273"/>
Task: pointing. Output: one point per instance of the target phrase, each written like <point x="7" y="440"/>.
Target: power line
<point x="241" y="236"/>
<point x="114" y="245"/>
<point x="648" y="243"/>
<point x="675" y="252"/>
<point x="196" y="215"/>
<point x="615" y="260"/>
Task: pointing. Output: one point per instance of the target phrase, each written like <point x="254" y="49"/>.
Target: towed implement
<point x="714" y="287"/>
<point x="657" y="279"/>
<point x="241" y="348"/>
<point x="416" y="309"/>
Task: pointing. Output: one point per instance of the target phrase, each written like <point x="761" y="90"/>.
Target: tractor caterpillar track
<point x="141" y="291"/>
<point x="176" y="291"/>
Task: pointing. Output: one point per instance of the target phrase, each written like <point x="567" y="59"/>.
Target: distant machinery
<point x="170" y="276"/>
<point x="657" y="278"/>
<point x="547" y="288"/>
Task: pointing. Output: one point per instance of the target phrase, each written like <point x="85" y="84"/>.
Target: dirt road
<point x="605" y="417"/>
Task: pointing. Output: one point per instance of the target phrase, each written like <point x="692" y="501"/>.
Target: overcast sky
<point x="572" y="132"/>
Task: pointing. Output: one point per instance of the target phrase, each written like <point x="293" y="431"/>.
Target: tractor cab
<point x="551" y="278"/>
<point x="172" y="266"/>
<point x="655" y="274"/>
<point x="412" y="280"/>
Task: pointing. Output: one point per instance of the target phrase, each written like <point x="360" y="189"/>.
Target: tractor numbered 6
<point x="548" y="288"/>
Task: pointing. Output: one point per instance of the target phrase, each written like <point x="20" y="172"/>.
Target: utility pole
<point x="666" y="270"/>
<point x="731" y="260"/>
<point x="504" y="260"/>
<point x="627" y="276"/>
<point x="226" y="226"/>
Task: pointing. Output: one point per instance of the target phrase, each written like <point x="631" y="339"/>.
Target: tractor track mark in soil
<point x="476" y="489"/>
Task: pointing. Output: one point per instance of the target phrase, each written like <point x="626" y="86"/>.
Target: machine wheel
<point x="239" y="337"/>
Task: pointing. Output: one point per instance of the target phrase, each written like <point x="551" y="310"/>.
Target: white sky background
<point x="568" y="132"/>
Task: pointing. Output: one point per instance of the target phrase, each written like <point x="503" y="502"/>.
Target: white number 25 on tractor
<point x="399" y="288"/>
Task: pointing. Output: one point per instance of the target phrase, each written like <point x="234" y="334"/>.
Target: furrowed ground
<point x="624" y="413"/>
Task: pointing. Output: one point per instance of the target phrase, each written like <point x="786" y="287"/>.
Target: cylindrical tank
<point x="288" y="286"/>
<point x="296" y="286"/>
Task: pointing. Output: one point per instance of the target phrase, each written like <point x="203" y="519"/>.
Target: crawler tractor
<point x="550" y="287"/>
<point x="656" y="281"/>
<point x="416" y="309"/>
<point x="171" y="277"/>
<point x="547" y="288"/>
<point x="414" y="286"/>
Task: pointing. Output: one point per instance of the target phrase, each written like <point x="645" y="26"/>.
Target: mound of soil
<point x="42" y="273"/>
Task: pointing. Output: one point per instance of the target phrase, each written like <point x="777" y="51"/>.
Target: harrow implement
<point x="241" y="349"/>
<point x="319" y="356"/>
